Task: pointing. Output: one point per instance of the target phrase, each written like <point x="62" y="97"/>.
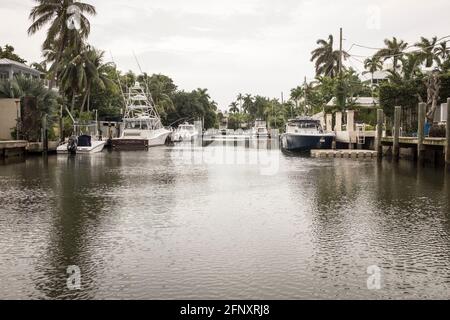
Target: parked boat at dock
<point x="142" y="123"/>
<point x="304" y="134"/>
<point x="185" y="132"/>
<point x="84" y="140"/>
<point x="260" y="131"/>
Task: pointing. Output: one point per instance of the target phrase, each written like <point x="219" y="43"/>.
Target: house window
<point x="4" y="75"/>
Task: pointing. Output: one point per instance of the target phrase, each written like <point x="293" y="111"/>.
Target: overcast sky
<point x="231" y="46"/>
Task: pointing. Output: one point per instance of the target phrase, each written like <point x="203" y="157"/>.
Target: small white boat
<point x="92" y="147"/>
<point x="260" y="131"/>
<point x="142" y="124"/>
<point x="81" y="142"/>
<point x="185" y="132"/>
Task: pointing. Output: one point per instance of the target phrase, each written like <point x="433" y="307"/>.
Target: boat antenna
<point x="182" y="119"/>
<point x="118" y="79"/>
<point x="146" y="82"/>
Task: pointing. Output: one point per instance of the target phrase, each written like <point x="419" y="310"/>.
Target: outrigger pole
<point x="120" y="84"/>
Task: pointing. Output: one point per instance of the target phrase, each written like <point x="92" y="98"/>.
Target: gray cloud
<point x="254" y="46"/>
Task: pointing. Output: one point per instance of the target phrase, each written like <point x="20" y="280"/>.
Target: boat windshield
<point x="305" y="124"/>
<point x="261" y="130"/>
<point x="187" y="128"/>
<point x="136" y="124"/>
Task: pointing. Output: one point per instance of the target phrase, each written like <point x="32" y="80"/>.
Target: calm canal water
<point x="222" y="223"/>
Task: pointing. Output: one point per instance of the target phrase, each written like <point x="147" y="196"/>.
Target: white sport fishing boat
<point x="260" y="131"/>
<point x="185" y="132"/>
<point x="142" y="124"/>
<point x="84" y="140"/>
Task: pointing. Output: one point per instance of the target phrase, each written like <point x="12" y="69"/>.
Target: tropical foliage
<point x="7" y="52"/>
<point x="327" y="59"/>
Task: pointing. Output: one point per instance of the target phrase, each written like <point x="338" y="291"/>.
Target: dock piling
<point x="447" y="136"/>
<point x="396" y="142"/>
<point x="380" y="120"/>
<point x="421" y="130"/>
<point x="44" y="135"/>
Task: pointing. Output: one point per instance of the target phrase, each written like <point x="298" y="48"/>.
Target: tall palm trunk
<point x="72" y="107"/>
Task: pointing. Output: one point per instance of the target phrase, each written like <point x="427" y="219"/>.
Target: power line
<point x="438" y="41"/>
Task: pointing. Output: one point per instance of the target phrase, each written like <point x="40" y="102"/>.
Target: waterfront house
<point x="10" y="69"/>
<point x="9" y="113"/>
<point x="356" y="125"/>
<point x="10" y="109"/>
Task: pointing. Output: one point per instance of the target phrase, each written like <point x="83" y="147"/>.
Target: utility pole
<point x="305" y="86"/>
<point x="340" y="52"/>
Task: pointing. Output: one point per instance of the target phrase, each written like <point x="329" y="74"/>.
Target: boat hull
<point x="96" y="147"/>
<point x="125" y="143"/>
<point x="297" y="142"/>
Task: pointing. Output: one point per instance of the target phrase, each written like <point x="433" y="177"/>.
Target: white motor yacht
<point x="142" y="123"/>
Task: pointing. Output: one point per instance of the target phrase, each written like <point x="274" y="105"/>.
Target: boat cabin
<point x="187" y="127"/>
<point x="304" y="125"/>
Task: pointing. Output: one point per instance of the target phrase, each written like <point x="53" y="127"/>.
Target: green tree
<point x="97" y="75"/>
<point x="247" y="105"/>
<point x="372" y="65"/>
<point x="47" y="100"/>
<point x="234" y="107"/>
<point x="7" y="52"/>
<point x="427" y="54"/>
<point x="297" y="94"/>
<point x="442" y="51"/>
<point x="394" y="50"/>
<point x="56" y="13"/>
<point x="326" y="58"/>
<point x="240" y="100"/>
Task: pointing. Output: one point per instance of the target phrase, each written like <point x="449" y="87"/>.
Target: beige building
<point x="9" y="112"/>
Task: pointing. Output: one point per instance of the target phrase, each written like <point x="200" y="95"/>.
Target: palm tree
<point x="297" y="94"/>
<point x="372" y="65"/>
<point x="248" y="103"/>
<point x="56" y="13"/>
<point x="234" y="108"/>
<point x="96" y="74"/>
<point x="79" y="70"/>
<point x="240" y="99"/>
<point x="47" y="101"/>
<point x="427" y="54"/>
<point x="394" y="50"/>
<point x="162" y="99"/>
<point x="326" y="58"/>
<point x="442" y="51"/>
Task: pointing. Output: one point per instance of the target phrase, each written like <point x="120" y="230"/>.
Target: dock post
<point x="396" y="143"/>
<point x="421" y="130"/>
<point x="350" y="126"/>
<point x="447" y="136"/>
<point x="44" y="135"/>
<point x="61" y="125"/>
<point x="379" y="146"/>
<point x="329" y="122"/>
<point x="338" y="117"/>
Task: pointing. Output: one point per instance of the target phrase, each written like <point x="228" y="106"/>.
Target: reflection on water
<point x="227" y="221"/>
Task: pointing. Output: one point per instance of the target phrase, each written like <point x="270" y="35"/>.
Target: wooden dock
<point x="17" y="148"/>
<point x="12" y="148"/>
<point x="348" y="154"/>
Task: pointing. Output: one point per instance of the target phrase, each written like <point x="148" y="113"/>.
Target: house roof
<point x="9" y="62"/>
<point x="365" y="102"/>
<point x="377" y="75"/>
